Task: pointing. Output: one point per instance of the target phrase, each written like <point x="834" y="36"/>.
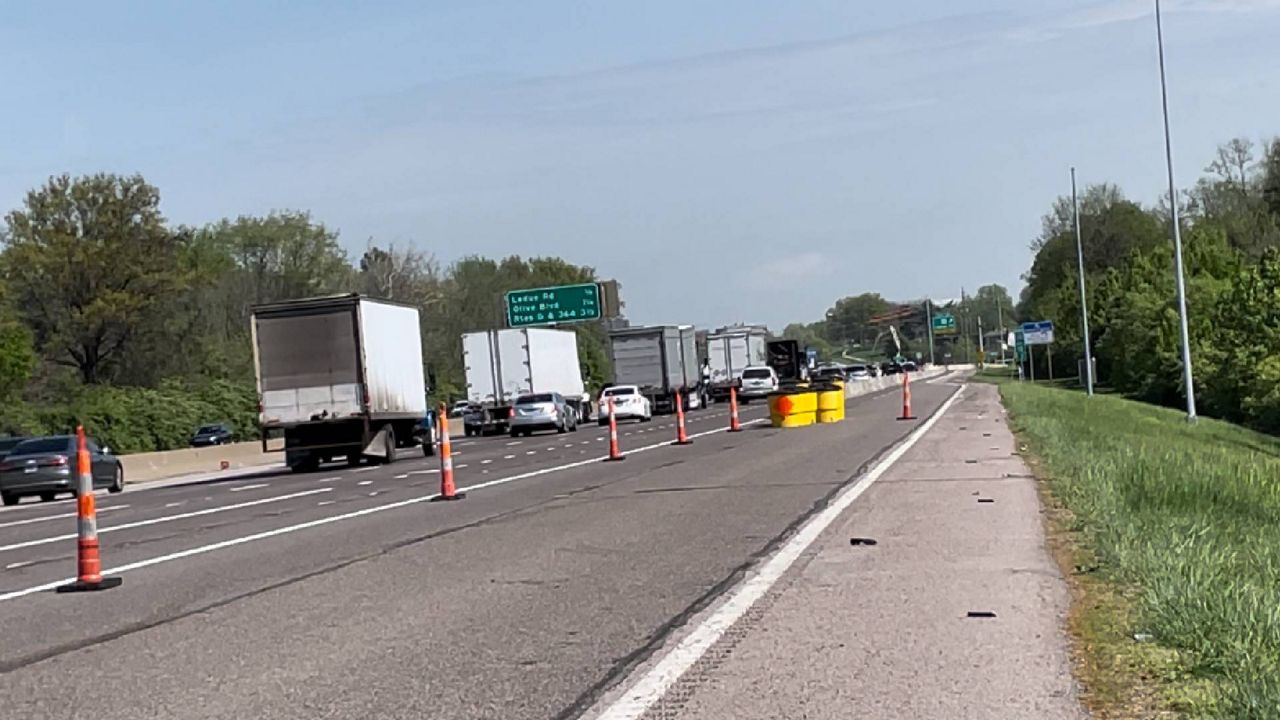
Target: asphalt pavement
<point x="345" y="593"/>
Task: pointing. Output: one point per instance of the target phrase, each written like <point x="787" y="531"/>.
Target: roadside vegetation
<point x="1171" y="536"/>
<point x="114" y="317"/>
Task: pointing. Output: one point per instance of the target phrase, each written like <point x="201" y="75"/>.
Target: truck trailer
<point x="341" y="376"/>
<point x="502" y="365"/>
<point x="662" y="360"/>
<point x="729" y="351"/>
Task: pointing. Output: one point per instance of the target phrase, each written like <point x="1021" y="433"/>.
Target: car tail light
<point x="56" y="461"/>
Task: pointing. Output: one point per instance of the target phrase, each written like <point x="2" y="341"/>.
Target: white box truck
<point x="502" y="365"/>
<point x="729" y="350"/>
<point x="341" y="376"/>
<point x="662" y="360"/>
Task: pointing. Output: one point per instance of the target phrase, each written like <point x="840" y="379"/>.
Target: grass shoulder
<point x="1170" y="536"/>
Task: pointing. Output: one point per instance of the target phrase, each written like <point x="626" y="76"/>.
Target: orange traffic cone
<point x="88" y="560"/>
<point x="906" y="398"/>
<point x="448" y="491"/>
<point x="734" y="425"/>
<point x="615" y="453"/>
<point x="682" y="437"/>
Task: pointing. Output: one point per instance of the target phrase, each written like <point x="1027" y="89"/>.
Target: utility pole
<point x="982" y="348"/>
<point x="928" y="323"/>
<point x="1084" y="302"/>
<point x="1187" y="382"/>
<point x="1004" y="334"/>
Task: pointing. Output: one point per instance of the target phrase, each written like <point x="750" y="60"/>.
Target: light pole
<point x="1084" y="302"/>
<point x="1188" y="384"/>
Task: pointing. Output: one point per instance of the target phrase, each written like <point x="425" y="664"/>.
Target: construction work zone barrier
<point x="448" y="490"/>
<point x="735" y="425"/>
<point x="830" y="403"/>
<point x="615" y="453"/>
<point x="682" y="436"/>
<point x="906" y="398"/>
<point x="88" y="556"/>
<point x="791" y="408"/>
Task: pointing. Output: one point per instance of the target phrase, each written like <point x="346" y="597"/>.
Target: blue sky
<point x="725" y="161"/>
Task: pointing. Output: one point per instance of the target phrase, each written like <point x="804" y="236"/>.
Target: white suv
<point x="757" y="382"/>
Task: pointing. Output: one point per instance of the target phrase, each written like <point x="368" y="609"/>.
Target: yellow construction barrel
<point x="793" y="408"/>
<point x="830" y="403"/>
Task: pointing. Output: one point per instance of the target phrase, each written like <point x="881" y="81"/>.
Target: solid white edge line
<point x="202" y="549"/>
<point x="643" y="693"/>
<point x="166" y="518"/>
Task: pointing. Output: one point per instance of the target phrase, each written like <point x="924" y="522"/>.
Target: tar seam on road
<point x="625" y="666"/>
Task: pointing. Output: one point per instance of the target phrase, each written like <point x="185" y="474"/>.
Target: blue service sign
<point x="1037" y="333"/>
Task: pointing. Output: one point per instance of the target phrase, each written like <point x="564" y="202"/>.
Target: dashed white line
<point x="515" y="442"/>
<point x="400" y="477"/>
<point x="585" y="442"/>
<point x="254" y="486"/>
<point x="461" y="466"/>
<point x="485" y="462"/>
<point x="531" y="452"/>
<point x="175" y="504"/>
<point x="508" y="457"/>
<point x="322" y="503"/>
<point x="319" y="522"/>
<point x="422" y="472"/>
<point x="166" y="518"/>
<point x="365" y="482"/>
<point x="330" y="479"/>
<point x="371" y="468"/>
<point x="59" y="516"/>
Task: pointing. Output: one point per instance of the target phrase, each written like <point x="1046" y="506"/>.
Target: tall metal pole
<point x="1188" y="383"/>
<point x="928" y="322"/>
<point x="1084" y="302"/>
<point x="1000" y="321"/>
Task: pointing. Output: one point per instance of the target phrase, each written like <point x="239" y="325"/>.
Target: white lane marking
<point x="515" y="442"/>
<point x="400" y="477"/>
<point x="645" y="691"/>
<point x="322" y="503"/>
<point x="330" y="479"/>
<point x="16" y="565"/>
<point x="569" y="446"/>
<point x="319" y="522"/>
<point x="422" y="472"/>
<point x="373" y="494"/>
<point x="254" y="486"/>
<point x="165" y="518"/>
<point x="365" y="482"/>
<point x="371" y="468"/>
<point x="531" y="452"/>
<point x="551" y="449"/>
<point x="485" y="462"/>
<point x="60" y="516"/>
<point x="599" y="439"/>
<point x="462" y="466"/>
<point x="176" y="503"/>
<point x="585" y="442"/>
<point x="508" y="457"/>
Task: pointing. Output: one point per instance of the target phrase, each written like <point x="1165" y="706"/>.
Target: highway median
<point x="1170" y="533"/>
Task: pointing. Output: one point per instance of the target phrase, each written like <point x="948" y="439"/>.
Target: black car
<point x="47" y="466"/>
<point x="216" y="434"/>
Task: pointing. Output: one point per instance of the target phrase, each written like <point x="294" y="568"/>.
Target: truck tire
<point x="389" y="446"/>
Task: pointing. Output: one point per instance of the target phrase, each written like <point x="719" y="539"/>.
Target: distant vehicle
<point x="339" y="377"/>
<point x="459" y="408"/>
<point x="730" y="351"/>
<point x="46" y="466"/>
<point x="888" y="368"/>
<point x="7" y="444"/>
<point x="628" y="404"/>
<point x="788" y="361"/>
<point x="660" y="360"/>
<point x="830" y="372"/>
<point x="908" y="366"/>
<point x="758" y="382"/>
<point x="542" y="411"/>
<point x="858" y="372"/>
<point x="215" y="434"/>
<point x="503" y="365"/>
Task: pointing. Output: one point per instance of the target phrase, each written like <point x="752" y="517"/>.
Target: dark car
<point x="47" y="466"/>
<point x="216" y="434"/>
<point x="8" y="444"/>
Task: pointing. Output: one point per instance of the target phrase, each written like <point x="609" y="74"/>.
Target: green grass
<point x="1181" y="521"/>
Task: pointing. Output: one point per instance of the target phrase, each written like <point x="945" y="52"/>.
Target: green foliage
<point x="89" y="262"/>
<point x="1186" y="516"/>
<point x="1230" y="242"/>
<point x="17" y="359"/>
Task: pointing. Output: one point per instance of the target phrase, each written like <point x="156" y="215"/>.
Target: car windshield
<point x="616" y="392"/>
<point x="8" y="443"/>
<point x="756" y="374"/>
<point x="539" y="398"/>
<point x="40" y="446"/>
<point x="207" y="429"/>
<point x="857" y="368"/>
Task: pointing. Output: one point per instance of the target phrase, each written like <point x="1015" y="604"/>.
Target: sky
<point x="723" y="160"/>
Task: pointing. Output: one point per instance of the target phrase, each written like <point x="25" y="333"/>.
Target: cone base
<point x="681" y="442"/>
<point x="908" y="417"/>
<point x="449" y="498"/>
<point x="615" y="459"/>
<point x="105" y="583"/>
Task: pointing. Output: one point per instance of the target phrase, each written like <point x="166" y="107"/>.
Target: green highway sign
<point x="1020" y="345"/>
<point x="944" y="324"/>
<point x="553" y="305"/>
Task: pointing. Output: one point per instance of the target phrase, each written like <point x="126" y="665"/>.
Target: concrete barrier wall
<point x="142" y="467"/>
<point x="884" y="382"/>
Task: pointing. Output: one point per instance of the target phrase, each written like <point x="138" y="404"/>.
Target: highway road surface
<point x="346" y="594"/>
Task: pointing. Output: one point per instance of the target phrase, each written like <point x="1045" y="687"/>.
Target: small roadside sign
<point x="944" y="324"/>
<point x="1037" y="333"/>
<point x="1020" y="345"/>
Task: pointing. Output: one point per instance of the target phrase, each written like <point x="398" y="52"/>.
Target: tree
<point x="90" y="263"/>
<point x="282" y="256"/>
<point x="849" y="320"/>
